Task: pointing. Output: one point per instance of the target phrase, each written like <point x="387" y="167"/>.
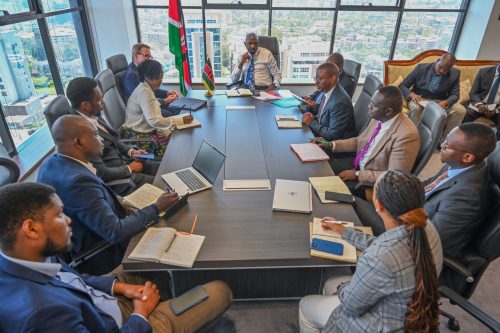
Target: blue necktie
<point x="250" y="78"/>
<point x="493" y="91"/>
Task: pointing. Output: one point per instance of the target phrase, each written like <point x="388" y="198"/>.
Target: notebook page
<point x="183" y="250"/>
<point x="153" y="244"/>
<point x="146" y="195"/>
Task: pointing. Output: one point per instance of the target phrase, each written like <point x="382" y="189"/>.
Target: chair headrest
<point x="352" y="67"/>
<point x="9" y="171"/>
<point x="117" y="63"/>
<point x="494" y="165"/>
<point x="106" y="80"/>
<point x="371" y="84"/>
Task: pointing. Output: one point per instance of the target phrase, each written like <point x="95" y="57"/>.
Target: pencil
<point x="194" y="223"/>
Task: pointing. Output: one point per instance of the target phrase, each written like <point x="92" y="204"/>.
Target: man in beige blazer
<point x="391" y="141"/>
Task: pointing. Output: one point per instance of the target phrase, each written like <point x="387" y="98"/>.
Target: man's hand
<point x="414" y="97"/>
<point x="322" y="143"/>
<point x="244" y="59"/>
<point x="311" y="104"/>
<point x="130" y="291"/>
<point x="482" y="108"/>
<point x="338" y="228"/>
<point x="443" y="104"/>
<point x="166" y="200"/>
<point x="170" y="98"/>
<point x="347" y="175"/>
<point x="489" y="113"/>
<point x="173" y="93"/>
<point x="187" y="119"/>
<point x="307" y="118"/>
<point x="150" y="299"/>
<point x="271" y="87"/>
<point x="136" y="166"/>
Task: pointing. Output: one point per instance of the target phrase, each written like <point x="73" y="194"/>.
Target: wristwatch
<point x="356" y="174"/>
<point x="277" y="85"/>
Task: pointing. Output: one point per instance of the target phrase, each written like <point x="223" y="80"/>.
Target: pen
<point x="336" y="222"/>
<point x="194" y="223"/>
<point x="238" y="91"/>
<point x="319" y="141"/>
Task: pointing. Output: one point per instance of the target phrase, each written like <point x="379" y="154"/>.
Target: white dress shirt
<point x="266" y="69"/>
<point x="383" y="129"/>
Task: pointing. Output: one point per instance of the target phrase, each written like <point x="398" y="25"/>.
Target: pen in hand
<point x="336" y="222"/>
<point x="319" y="141"/>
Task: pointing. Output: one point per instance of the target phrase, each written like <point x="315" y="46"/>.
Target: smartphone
<point x="189" y="299"/>
<point x="327" y="246"/>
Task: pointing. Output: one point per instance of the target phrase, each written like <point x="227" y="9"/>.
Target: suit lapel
<point x="386" y="138"/>
<point x="330" y="102"/>
<point x="428" y="75"/>
<point x="451" y="182"/>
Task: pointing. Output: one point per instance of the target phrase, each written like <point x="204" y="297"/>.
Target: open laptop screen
<point x="208" y="161"/>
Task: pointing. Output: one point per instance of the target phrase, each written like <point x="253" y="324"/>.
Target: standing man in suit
<point x="485" y="91"/>
<point x="439" y="82"/>
<point x="390" y="142"/>
<point x="97" y="213"/>
<point x="257" y="66"/>
<point x="457" y="198"/>
<point x="117" y="160"/>
<point x="40" y="293"/>
<point x="333" y="118"/>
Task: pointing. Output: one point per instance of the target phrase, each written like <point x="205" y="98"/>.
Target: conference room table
<point x="260" y="253"/>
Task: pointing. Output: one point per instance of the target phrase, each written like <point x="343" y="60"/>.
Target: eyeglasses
<point x="147" y="56"/>
<point x="445" y="146"/>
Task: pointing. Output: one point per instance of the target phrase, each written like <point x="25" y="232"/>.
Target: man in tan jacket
<point x="391" y="141"/>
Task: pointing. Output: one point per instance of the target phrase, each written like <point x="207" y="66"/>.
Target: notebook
<point x="309" y="152"/>
<point x="144" y="196"/>
<point x="179" y="122"/>
<point x="240" y="92"/>
<point x="286" y="102"/>
<point x="168" y="246"/>
<point x="288" y="121"/>
<point x="316" y="231"/>
<point x="292" y="196"/>
<point x="329" y="183"/>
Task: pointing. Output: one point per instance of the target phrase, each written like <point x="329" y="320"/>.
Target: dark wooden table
<point x="259" y="252"/>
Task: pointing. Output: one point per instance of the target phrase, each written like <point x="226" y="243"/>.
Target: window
<point x="15" y="6"/>
<point x="39" y="55"/>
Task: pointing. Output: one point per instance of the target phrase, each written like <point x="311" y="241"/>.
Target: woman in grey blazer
<point x="394" y="288"/>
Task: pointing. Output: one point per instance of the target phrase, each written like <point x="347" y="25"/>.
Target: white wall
<point x="490" y="45"/>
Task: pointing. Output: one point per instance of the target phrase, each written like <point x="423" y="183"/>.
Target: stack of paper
<point x="266" y="96"/>
<point x="309" y="152"/>
<point x="179" y="122"/>
<point x="286" y="102"/>
<point x="239" y="92"/>
<point x="291" y="121"/>
<point x="349" y="254"/>
<point x="329" y="183"/>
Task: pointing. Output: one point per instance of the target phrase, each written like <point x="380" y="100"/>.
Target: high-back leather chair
<point x="272" y="44"/>
<point x="114" y="108"/>
<point x="118" y="65"/>
<point x="353" y="68"/>
<point x="9" y="171"/>
<point x="430" y="128"/>
<point x="58" y="107"/>
<point x="463" y="275"/>
<point x="361" y="115"/>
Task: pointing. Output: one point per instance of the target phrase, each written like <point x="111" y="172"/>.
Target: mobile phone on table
<point x="327" y="246"/>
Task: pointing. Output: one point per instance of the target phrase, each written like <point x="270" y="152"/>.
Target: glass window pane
<point x="304" y="38"/>
<point x="67" y="46"/>
<point x="165" y="2"/>
<point x="365" y="37"/>
<point x="15" y="6"/>
<point x="373" y="2"/>
<point x="51" y="5"/>
<point x="424" y="31"/>
<point x="238" y="2"/>
<point x="26" y="84"/>
<point x="434" y="4"/>
<point x="301" y="3"/>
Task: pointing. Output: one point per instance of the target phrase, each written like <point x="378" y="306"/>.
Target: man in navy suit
<point x="39" y="293"/>
<point x="333" y="117"/>
<point x="96" y="211"/>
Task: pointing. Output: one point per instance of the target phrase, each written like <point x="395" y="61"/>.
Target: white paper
<point x="240" y="107"/>
<point x="183" y="251"/>
<point x="146" y="195"/>
<point x="246" y="185"/>
<point x="153" y="244"/>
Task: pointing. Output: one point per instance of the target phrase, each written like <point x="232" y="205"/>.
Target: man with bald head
<point x="97" y="213"/>
<point x="390" y="142"/>
<point x="333" y="117"/>
<point x="439" y="82"/>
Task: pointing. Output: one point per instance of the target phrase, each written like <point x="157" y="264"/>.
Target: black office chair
<point x="9" y="171"/>
<point x="353" y="68"/>
<point x="114" y="108"/>
<point x="361" y="115"/>
<point x="463" y="275"/>
<point x="58" y="107"/>
<point x="430" y="128"/>
<point x="118" y="65"/>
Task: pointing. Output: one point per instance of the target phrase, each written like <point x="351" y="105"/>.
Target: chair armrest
<point x="460" y="268"/>
<point x="84" y="256"/>
<point x="470" y="308"/>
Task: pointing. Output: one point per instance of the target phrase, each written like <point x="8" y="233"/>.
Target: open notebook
<point x="179" y="122"/>
<point x="167" y="246"/>
<point x="144" y="196"/>
<point x="349" y="254"/>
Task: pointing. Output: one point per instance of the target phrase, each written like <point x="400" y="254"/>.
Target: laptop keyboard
<point x="190" y="179"/>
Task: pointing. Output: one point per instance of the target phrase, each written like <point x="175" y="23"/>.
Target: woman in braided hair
<point x="394" y="288"/>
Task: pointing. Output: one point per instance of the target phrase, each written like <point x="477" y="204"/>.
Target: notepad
<point x="144" y="196"/>
<point x="316" y="231"/>
<point x="286" y="102"/>
<point x="329" y="183"/>
<point x="246" y="185"/>
<point x="309" y="152"/>
<point x="240" y="92"/>
<point x="167" y="246"/>
<point x="266" y="96"/>
<point x="179" y="122"/>
<point x="291" y="121"/>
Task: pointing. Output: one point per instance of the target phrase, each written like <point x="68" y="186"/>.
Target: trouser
<point x="163" y="320"/>
<point x="455" y="116"/>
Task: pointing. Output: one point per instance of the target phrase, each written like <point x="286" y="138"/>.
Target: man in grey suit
<point x="333" y="118"/>
<point x="439" y="82"/>
<point x="117" y="161"/>
<point x="457" y="198"/>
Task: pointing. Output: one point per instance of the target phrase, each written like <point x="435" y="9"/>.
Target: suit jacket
<point x="337" y="120"/>
<point x="398" y="149"/>
<point x="131" y="81"/>
<point x="34" y="302"/>
<point x="420" y="80"/>
<point x="482" y="84"/>
<point x="346" y="81"/>
<point x="457" y="207"/>
<point x="95" y="212"/>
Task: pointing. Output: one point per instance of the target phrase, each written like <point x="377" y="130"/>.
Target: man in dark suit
<point x="96" y="211"/>
<point x="439" y="82"/>
<point x="457" y="198"/>
<point x="485" y="91"/>
<point x="345" y="80"/>
<point x="333" y="118"/>
<point x="40" y="293"/>
<point x="117" y="160"/>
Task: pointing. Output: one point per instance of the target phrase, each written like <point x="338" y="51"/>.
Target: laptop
<point x="292" y="196"/>
<point x="201" y="175"/>
<point x="186" y="103"/>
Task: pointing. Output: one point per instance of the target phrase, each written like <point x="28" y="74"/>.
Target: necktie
<point x="250" y="77"/>
<point x="493" y="91"/>
<point x="362" y="152"/>
<point x="321" y="106"/>
<point x="436" y="181"/>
